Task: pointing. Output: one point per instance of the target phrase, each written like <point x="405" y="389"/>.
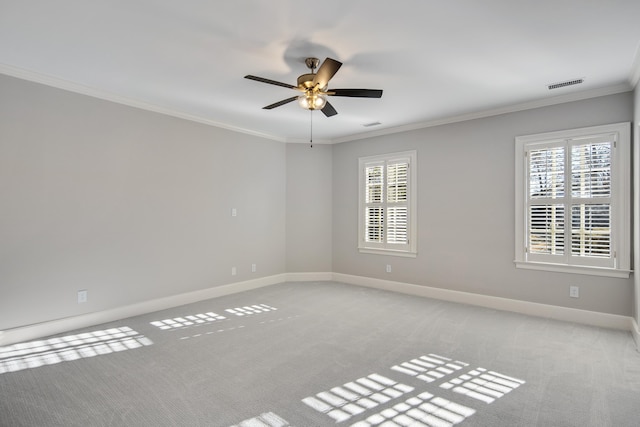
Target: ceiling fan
<point x="314" y="88"/>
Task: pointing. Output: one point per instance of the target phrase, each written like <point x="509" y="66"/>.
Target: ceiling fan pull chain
<point x="311" y="132"/>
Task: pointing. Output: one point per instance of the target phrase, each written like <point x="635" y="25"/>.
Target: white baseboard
<point x="592" y="318"/>
<point x="31" y="332"/>
<point x="635" y="331"/>
<point x="39" y="330"/>
<point x="310" y="277"/>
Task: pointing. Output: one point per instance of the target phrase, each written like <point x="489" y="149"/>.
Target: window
<point x="573" y="201"/>
<point x="387" y="204"/>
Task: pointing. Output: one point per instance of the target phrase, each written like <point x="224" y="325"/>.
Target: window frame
<point x="410" y="249"/>
<point x="620" y="199"/>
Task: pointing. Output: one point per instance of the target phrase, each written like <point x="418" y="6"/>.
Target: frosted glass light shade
<point x="312" y="101"/>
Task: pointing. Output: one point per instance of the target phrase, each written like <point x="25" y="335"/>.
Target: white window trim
<point x="412" y="192"/>
<point x="621" y="199"/>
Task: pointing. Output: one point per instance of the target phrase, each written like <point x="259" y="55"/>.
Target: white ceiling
<point x="436" y="61"/>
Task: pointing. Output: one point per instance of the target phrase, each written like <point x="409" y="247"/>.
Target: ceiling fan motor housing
<point x="305" y="81"/>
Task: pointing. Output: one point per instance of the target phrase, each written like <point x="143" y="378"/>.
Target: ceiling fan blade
<point x="328" y="110"/>
<point x="326" y="71"/>
<point x="271" y="82"/>
<point x="357" y="93"/>
<point x="279" y="103"/>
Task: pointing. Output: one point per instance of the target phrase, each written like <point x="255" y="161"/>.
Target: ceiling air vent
<point x="368" y="125"/>
<point x="567" y="83"/>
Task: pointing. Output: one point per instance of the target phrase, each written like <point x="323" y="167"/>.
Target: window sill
<point x="388" y="252"/>
<point x="574" y="269"/>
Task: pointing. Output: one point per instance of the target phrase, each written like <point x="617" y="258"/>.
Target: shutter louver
<point x="591" y="170"/>
<point x="546" y="173"/>
<point x="591" y="230"/>
<point x="397" y="225"/>
<point x="397" y="182"/>
<point x="373" y="176"/>
<point x="546" y="229"/>
<point x="374" y="224"/>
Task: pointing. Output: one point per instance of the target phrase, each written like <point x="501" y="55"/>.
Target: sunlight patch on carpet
<point x="186" y="321"/>
<point x="483" y="385"/>
<point x="430" y="368"/>
<point x="268" y="419"/>
<point x="353" y="398"/>
<point x="358" y="398"/>
<point x="250" y="309"/>
<point x="34" y="354"/>
<point x="424" y="409"/>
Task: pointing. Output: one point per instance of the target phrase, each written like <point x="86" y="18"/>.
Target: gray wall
<point x="309" y="208"/>
<point x="133" y="205"/>
<point x="128" y="204"/>
<point x="466" y="208"/>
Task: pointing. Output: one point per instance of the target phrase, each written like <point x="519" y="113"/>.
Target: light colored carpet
<point x="324" y="354"/>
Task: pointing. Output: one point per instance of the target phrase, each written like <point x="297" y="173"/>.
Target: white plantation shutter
<point x="386" y="203"/>
<point x="591" y="199"/>
<point x="374" y="182"/>
<point x="570" y="203"/>
<point x="546" y="187"/>
<point x="397" y="212"/>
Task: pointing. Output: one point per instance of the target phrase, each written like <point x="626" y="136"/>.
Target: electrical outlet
<point x="233" y="271"/>
<point x="82" y="296"/>
<point x="253" y="268"/>
<point x="234" y="212"/>
<point x="388" y="268"/>
<point x="574" y="292"/>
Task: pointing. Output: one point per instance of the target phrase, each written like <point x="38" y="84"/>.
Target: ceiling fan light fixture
<point x="315" y="88"/>
<point x="312" y="101"/>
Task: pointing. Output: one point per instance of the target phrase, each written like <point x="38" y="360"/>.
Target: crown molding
<point x="544" y="102"/>
<point x="108" y="96"/>
<point x="59" y="83"/>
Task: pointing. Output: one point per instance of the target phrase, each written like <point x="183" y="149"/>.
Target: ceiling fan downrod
<point x="312" y="63"/>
